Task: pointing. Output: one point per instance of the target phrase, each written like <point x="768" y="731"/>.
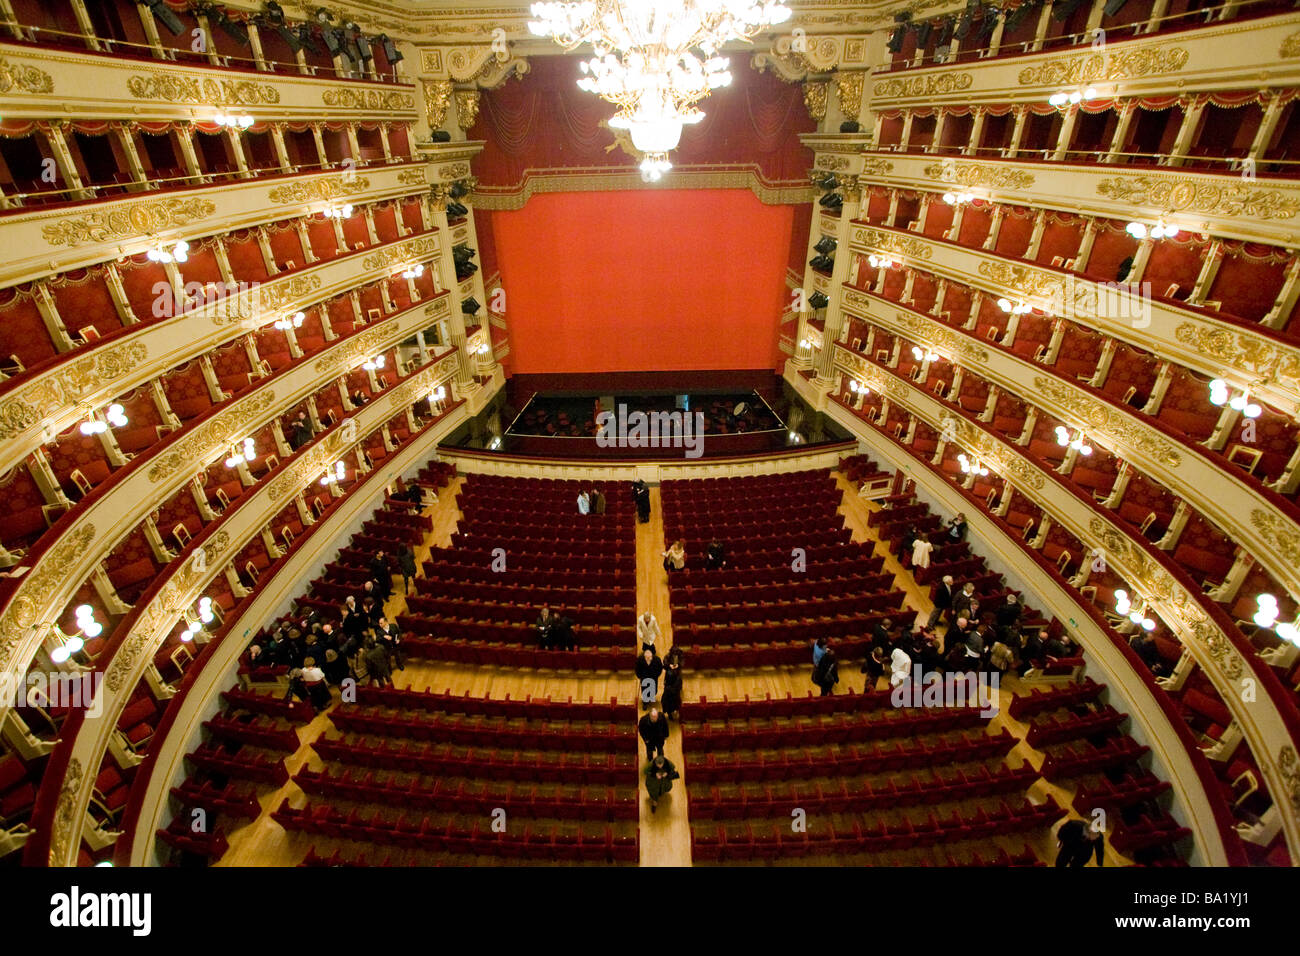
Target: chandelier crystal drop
<point x="654" y="59"/>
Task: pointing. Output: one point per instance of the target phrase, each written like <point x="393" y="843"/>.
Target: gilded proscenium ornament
<point x="814" y="97"/>
<point x="1096" y="416"/>
<point x="128" y="221"/>
<point x="412" y="177"/>
<point x="22" y="78"/>
<point x="210" y="437"/>
<point x="437" y="97"/>
<point x="51" y="394"/>
<point x="849" y="86"/>
<point x="1182" y="195"/>
<point x="183" y="89"/>
<point x="466" y="108"/>
<point x="876" y="167"/>
<point x="317" y="190"/>
<point x="1290" y="47"/>
<point x="27" y="607"/>
<point x="981" y="175"/>
<point x="350" y="99"/>
<point x="930" y="85"/>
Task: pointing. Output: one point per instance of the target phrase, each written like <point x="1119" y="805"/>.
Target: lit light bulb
<point x="1252" y="410"/>
<point x="1148" y="624"/>
<point x="1004" y="305"/>
<point x="59" y="654"/>
<point x="1056" y="99"/>
<point x="75" y="644"/>
<point x="1289" y="632"/>
<point x="1136" y="230"/>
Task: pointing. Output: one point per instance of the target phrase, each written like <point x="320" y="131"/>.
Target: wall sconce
<point x="179" y="252"/>
<point x="1077" y="442"/>
<point x="371" y="364"/>
<point x="881" y="262"/>
<point x="334" y="476"/>
<point x="923" y="355"/>
<point x="858" y="387"/>
<point x="958" y="199"/>
<point x="1221" y="394"/>
<point x="241" y="454"/>
<point x="1124" y="608"/>
<point x="1063" y="98"/>
<point x="115" y="415"/>
<point x="234" y="120"/>
<point x="339" y="212"/>
<point x="414" y="272"/>
<point x="290" y="322"/>
<point x="1017" y="308"/>
<point x="972" y="467"/>
<point x="1161" y="230"/>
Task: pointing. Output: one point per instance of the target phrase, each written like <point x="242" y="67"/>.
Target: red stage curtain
<point x="698" y="283"/>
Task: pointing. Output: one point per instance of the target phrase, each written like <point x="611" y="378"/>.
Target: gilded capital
<point x="437" y="97"/>
<point x="466" y="108"/>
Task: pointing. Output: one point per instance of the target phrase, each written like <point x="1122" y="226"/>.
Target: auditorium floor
<point x="665" y="837"/>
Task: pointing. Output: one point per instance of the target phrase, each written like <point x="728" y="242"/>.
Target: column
<point x="1186" y="132"/>
<point x="1286" y="297"/>
<point x="976" y="129"/>
<point x="49" y="312"/>
<point x="1017" y="132"/>
<point x="281" y="151"/>
<point x="1163" y="377"/>
<point x="1126" y="112"/>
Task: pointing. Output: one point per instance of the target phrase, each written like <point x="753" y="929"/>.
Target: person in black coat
<point x="715" y="556"/>
<point x="648" y="669"/>
<point x="653" y="728"/>
<point x="382" y="574"/>
<point x="1078" y="842"/>
<point x="389" y="636"/>
<point x="827" y="672"/>
<point x="562" y="636"/>
<point x="672" y="701"/>
<point x="909" y="538"/>
<point x="942" y="600"/>
<point x="641" y="495"/>
<point x="406" y="563"/>
<point x="957" y="528"/>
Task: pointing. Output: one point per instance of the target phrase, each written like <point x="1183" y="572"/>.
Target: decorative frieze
<point x="129" y="221"/>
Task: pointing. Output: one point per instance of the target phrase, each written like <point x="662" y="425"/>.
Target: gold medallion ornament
<point x="979" y="174"/>
<point x="21" y="78"/>
<point x="171" y="88"/>
<point x="377" y="100"/>
<point x="939" y="84"/>
<point x="128" y="221"/>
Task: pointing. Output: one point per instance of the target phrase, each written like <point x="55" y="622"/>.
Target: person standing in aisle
<point x="653" y="728"/>
<point x="647" y="630"/>
<point x="672" y="702"/>
<point x="659" y="776"/>
<point x="648" y="669"/>
<point x="942" y="600"/>
<point x="406" y="561"/>
<point x="921" y="549"/>
<point x="597" y="501"/>
<point x="584" y="503"/>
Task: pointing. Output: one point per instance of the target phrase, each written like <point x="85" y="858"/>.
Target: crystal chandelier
<point x="646" y="61"/>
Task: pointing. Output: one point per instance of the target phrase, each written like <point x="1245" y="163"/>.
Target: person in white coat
<point x="647" y="630"/>
<point x="900" y="667"/>
<point x="921" y="549"/>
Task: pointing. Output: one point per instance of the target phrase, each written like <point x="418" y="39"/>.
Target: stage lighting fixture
<point x="923" y="35"/>
<point x="818" y="300"/>
<point x="831" y="201"/>
<point x="166" y="16"/>
<point x="332" y="41"/>
<point x="391" y="52"/>
<point x="232" y="28"/>
<point x="896" y="39"/>
<point x="456" y="210"/>
<point x="1062" y="9"/>
<point x="274" y="17"/>
<point x="470" y="306"/>
<point x="850" y="126"/>
<point x="822" y="263"/>
<point x="457" y="190"/>
<point x="828" y="181"/>
<point x="440" y="136"/>
<point x="461" y="251"/>
<point x="307" y="39"/>
<point x="964" y="24"/>
<point x="1114" y="6"/>
<point x="988" y="23"/>
<point x="825" y="245"/>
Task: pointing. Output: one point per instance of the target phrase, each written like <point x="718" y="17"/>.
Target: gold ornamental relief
<point x="209" y="438"/>
<point x="29" y="606"/>
<point x="52" y="394"/>
<point x="467" y="102"/>
<point x="1242" y="351"/>
<point x="412" y="177"/>
<point x="1098" y="417"/>
<point x="1290" y="47"/>
<point x="66" y="825"/>
<point x="1062" y="71"/>
<point x="1213" y="199"/>
<point x="1144" y="61"/>
<point x="1280" y="534"/>
<point x="877" y="167"/>
<point x="22" y="78"/>
<point x="890" y="242"/>
<point x="128" y="221"/>
<point x="437" y="97"/>
<point x="849" y="86"/>
<point x="1029" y="283"/>
<point x="318" y="190"/>
<point x="349" y="99"/>
<point x="170" y="88"/>
<point x="941" y="84"/>
<point x="832" y="163"/>
<point x="814" y="98"/>
<point x="406" y="250"/>
<point x="979" y="174"/>
<point x="357" y="350"/>
<point x="1289" y="767"/>
<point x="942" y="338"/>
<point x="313" y="463"/>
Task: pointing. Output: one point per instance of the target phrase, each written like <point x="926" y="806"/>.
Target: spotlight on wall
<point x="822" y="263"/>
<point x="818" y="300"/>
<point x="825" y="245"/>
<point x="831" y="201"/>
<point x="470" y="306"/>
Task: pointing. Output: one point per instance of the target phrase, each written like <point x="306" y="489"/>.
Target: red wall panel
<point x="643" y="280"/>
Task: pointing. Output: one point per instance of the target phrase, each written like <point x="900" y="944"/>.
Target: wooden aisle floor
<point x="665" y="837"/>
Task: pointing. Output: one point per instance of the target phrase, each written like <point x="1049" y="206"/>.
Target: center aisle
<point x="666" y="833"/>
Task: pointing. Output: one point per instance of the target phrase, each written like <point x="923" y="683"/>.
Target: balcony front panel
<point x="1188" y="337"/>
<point x="1226" y="206"/>
<point x="51" y="82"/>
<point x="85" y="536"/>
<point x="1268" y="720"/>
<point x="56" y="239"/>
<point x="1224" y="56"/>
<point x="32" y="409"/>
<point x="1251" y="519"/>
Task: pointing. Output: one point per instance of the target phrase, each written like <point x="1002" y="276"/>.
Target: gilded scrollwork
<point x="984" y="175"/>
<point x="933" y="84"/>
<point x="814" y="98"/>
<point x="209" y="438"/>
<point x="467" y="102"/>
<point x="50" y="394"/>
<point x="1182" y="194"/>
<point x="127" y="221"/>
<point x="23" y="78"/>
<point x="849" y="86"/>
<point x="318" y="190"/>
<point x="346" y="97"/>
<point x="437" y="98"/>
